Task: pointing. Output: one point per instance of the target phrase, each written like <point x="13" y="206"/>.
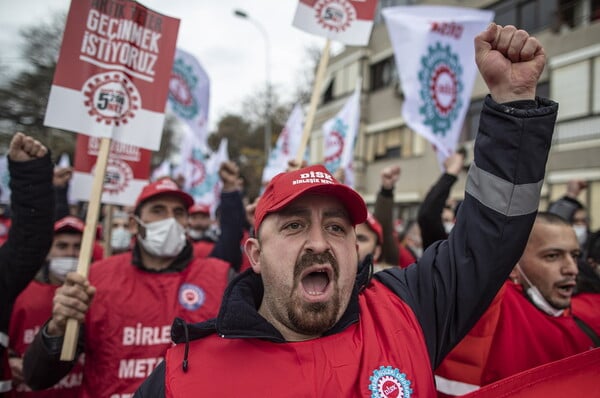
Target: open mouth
<point x="315" y="281"/>
<point x="566" y="289"/>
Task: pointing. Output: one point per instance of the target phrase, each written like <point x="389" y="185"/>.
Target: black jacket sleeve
<point x="456" y="279"/>
<point x="384" y="213"/>
<point x="42" y="367"/>
<point x="154" y="385"/>
<point x="62" y="202"/>
<point x="30" y="235"/>
<point x="430" y="211"/>
<point x="227" y="247"/>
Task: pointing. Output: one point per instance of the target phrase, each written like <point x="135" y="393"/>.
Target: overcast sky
<point x="231" y="49"/>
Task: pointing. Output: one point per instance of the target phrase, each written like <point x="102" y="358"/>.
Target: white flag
<point x="435" y="58"/>
<point x="189" y="94"/>
<point x="205" y="185"/>
<point x="339" y="137"/>
<point x="287" y="145"/>
<point x="163" y="170"/>
<point x="347" y="21"/>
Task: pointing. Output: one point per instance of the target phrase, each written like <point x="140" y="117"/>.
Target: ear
<point x="132" y="225"/>
<point x="377" y="253"/>
<point x="252" y="249"/>
<point x="515" y="275"/>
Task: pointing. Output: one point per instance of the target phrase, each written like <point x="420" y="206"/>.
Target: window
<point x="390" y="153"/>
<point x="531" y="15"/>
<point x="328" y="93"/>
<point x="383" y="74"/>
<point x="571" y="89"/>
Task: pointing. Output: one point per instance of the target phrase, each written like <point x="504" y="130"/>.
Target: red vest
<point x="586" y="306"/>
<point x="523" y="337"/>
<point x="382" y="355"/>
<point x="32" y="309"/>
<point x="129" y="322"/>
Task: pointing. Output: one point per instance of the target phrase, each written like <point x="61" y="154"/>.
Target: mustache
<point x="309" y="259"/>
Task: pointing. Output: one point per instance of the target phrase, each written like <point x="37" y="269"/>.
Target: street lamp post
<point x="243" y="14"/>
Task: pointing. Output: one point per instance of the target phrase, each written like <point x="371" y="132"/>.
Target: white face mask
<point x="537" y="299"/>
<point x="164" y="238"/>
<point x="448" y="226"/>
<point x="417" y="251"/>
<point x="120" y="238"/>
<point x="61" y="266"/>
<point x="581" y="233"/>
<point x="195" y="234"/>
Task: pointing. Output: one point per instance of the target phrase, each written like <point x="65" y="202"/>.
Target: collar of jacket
<point x="239" y="318"/>
<point x="179" y="264"/>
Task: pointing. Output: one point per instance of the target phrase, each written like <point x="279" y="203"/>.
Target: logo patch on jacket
<point x="388" y="382"/>
<point x="191" y="297"/>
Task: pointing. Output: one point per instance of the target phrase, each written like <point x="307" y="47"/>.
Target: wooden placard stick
<point x="89" y="235"/>
<point x="314" y="99"/>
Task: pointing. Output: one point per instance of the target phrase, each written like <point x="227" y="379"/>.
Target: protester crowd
<point x="305" y="292"/>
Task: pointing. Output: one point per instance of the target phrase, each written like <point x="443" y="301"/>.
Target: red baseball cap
<point x="285" y="187"/>
<point x="199" y="208"/>
<point x="375" y="227"/>
<point x="160" y="187"/>
<point x="69" y="223"/>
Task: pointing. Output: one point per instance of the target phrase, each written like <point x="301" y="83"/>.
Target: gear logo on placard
<point x="181" y="86"/>
<point x="441" y="88"/>
<point x="117" y="177"/>
<point x="335" y="15"/>
<point x="191" y="297"/>
<point x="111" y="98"/>
<point x="388" y="382"/>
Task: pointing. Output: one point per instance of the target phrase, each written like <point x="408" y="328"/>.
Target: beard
<point x="313" y="318"/>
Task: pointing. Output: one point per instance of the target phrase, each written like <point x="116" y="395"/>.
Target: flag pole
<point x="313" y="102"/>
<point x="89" y="234"/>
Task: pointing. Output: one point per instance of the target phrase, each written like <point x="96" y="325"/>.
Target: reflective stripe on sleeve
<point x="5" y="385"/>
<point x="502" y="196"/>
<point x="453" y="387"/>
<point x="3" y="340"/>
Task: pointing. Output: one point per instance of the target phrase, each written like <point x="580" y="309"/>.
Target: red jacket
<point x="360" y="361"/>
<point x="127" y="329"/>
<point x="509" y="338"/>
<point x="32" y="309"/>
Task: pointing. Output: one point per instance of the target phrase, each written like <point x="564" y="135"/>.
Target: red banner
<point x="127" y="171"/>
<point x="575" y="376"/>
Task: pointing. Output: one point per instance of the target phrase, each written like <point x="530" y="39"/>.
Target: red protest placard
<point x="347" y="21"/>
<point x="127" y="171"/>
<point x="113" y="72"/>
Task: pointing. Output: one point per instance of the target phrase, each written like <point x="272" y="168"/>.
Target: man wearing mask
<point x="436" y="218"/>
<point x="136" y="295"/>
<point x="572" y="210"/>
<point x="532" y="320"/>
<point x="34" y="306"/>
<point x="120" y="233"/>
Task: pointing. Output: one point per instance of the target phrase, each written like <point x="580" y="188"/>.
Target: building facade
<point x="570" y="33"/>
